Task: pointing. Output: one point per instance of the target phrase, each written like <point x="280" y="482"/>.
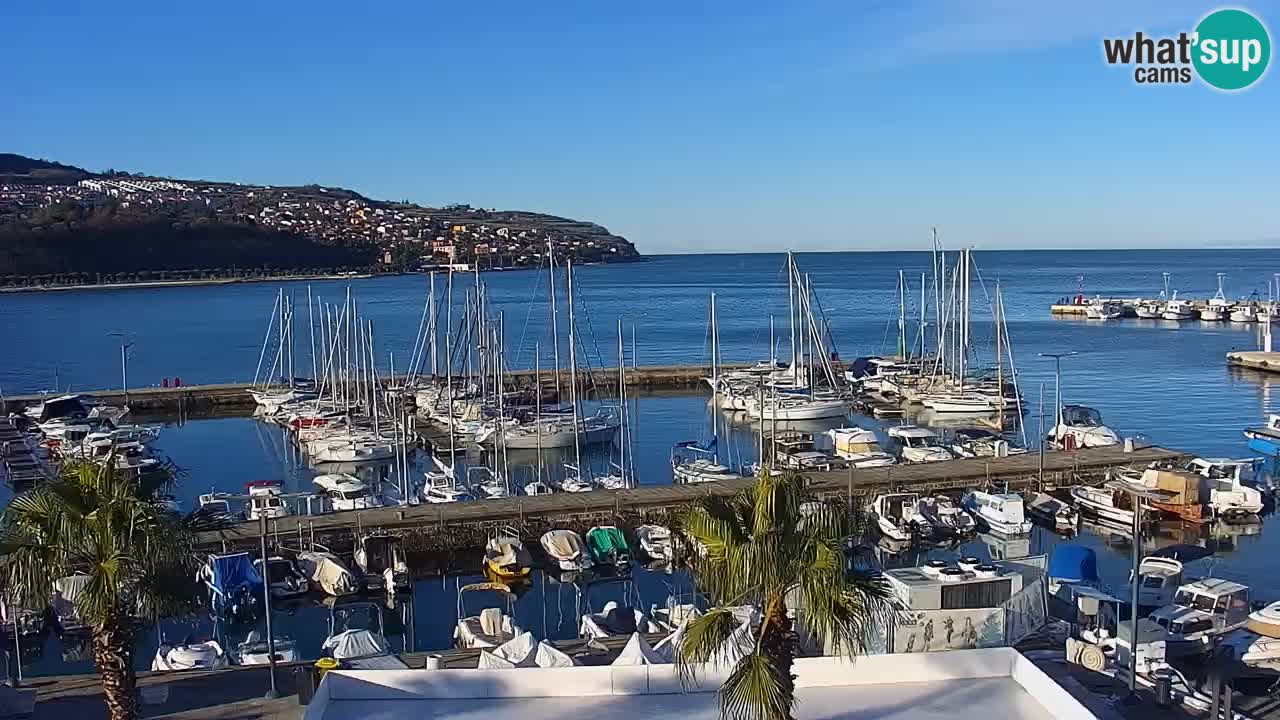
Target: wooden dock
<point x="235" y="395"/>
<point x="460" y="526"/>
<point x="1255" y="360"/>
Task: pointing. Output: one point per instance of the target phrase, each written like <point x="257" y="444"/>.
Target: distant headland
<point x="63" y="226"/>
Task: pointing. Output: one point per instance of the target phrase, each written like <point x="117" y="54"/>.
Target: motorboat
<point x="608" y="547"/>
<point x="1245" y="312"/>
<point x="1265" y="438"/>
<point x="347" y="492"/>
<point x="1103" y="503"/>
<point x="485" y="483"/>
<point x="1081" y="427"/>
<point x="1204" y="608"/>
<point x="442" y="488"/>
<point x="1218" y="307"/>
<point x="379" y="560"/>
<point x="327" y="573"/>
<point x="537" y="487"/>
<point x="1001" y="513"/>
<point x="573" y="482"/>
<point x="859" y="446"/>
<point x="255" y="650"/>
<point x="1265" y="621"/>
<point x="566" y="550"/>
<point x="1100" y="309"/>
<point x="189" y="655"/>
<point x="235" y="587"/>
<point x="797" y="451"/>
<point x="919" y="445"/>
<point x="944" y="517"/>
<point x="1056" y="513"/>
<point x="265" y="500"/>
<point x="654" y="543"/>
<point x="979" y="442"/>
<point x="895" y="513"/>
<point x="491" y="626"/>
<point x="1159" y="578"/>
<point x="1147" y="309"/>
<point x="1177" y="309"/>
<point x="506" y="559"/>
<point x="695" y="463"/>
<point x="66" y="591"/>
<point x="59" y="406"/>
<point x="282" y="578"/>
<point x="1231" y="492"/>
<point x="356" y="638"/>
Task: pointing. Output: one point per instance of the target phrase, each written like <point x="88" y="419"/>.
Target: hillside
<point x="60" y="220"/>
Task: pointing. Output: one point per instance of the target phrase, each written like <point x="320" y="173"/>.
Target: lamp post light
<point x="124" y="364"/>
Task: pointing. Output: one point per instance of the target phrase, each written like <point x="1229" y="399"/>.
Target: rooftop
<point x="996" y="682"/>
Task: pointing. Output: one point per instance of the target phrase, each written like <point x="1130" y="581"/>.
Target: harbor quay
<point x="467" y="525"/>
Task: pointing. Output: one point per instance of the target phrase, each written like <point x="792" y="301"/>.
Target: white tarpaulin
<point x="518" y="650"/>
<point x="328" y="572"/>
<point x="638" y="652"/>
<point x="490" y="661"/>
<point x="563" y="545"/>
<point x="197" y="656"/>
<point x="522" y="652"/>
<point x="548" y="656"/>
<point x="354" y="644"/>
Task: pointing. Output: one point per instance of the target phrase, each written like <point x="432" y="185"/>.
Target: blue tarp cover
<point x="232" y="572"/>
<point x="1073" y="563"/>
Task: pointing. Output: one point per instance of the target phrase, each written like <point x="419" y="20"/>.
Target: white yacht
<point x="347" y="492"/>
<point x="1204" y="608"/>
<point x="796" y="407"/>
<point x="694" y="463"/>
<point x="1159" y="577"/>
<point x="1001" y="513"/>
<point x="1081" y="427"/>
<point x="919" y="444"/>
<point x="1230" y="491"/>
<point x="265" y="500"/>
<point x="859" y="446"/>
<point x="1218" y="307"/>
<point x="894" y="514"/>
<point x="1177" y="309"/>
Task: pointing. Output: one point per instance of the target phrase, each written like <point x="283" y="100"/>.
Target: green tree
<point x="138" y="555"/>
<point x="767" y="546"/>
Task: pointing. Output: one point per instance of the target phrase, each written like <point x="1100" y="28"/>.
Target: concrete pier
<point x="235" y="395"/>
<point x="463" y="525"/>
<point x="1255" y="360"/>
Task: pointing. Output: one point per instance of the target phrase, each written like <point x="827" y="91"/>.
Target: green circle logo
<point x="1232" y="49"/>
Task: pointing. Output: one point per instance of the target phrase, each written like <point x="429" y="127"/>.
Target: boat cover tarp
<point x="563" y="544"/>
<point x="519" y="650"/>
<point x="548" y="656"/>
<point x="492" y="661"/>
<point x="354" y="645"/>
<point x="638" y="652"/>
<point x="606" y="540"/>
<point x="502" y="552"/>
<point x="326" y="571"/>
<point x="233" y="572"/>
<point x="1073" y="563"/>
<point x="203" y="656"/>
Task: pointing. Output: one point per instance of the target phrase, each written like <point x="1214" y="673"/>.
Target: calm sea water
<point x="1167" y="381"/>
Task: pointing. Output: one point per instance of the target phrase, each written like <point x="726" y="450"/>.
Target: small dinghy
<point x="654" y="543"/>
<point x="506" y="559"/>
<point x="255" y="651"/>
<point x="609" y="547"/>
<point x="566" y="550"/>
<point x="207" y="655"/>
<point x="491" y="626"/>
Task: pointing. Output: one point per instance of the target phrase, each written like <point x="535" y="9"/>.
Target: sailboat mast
<point x="573" y="373"/>
<point x="311" y="325"/>
<point x="448" y="366"/>
<point x="791" y="311"/>
<point x="772" y="360"/>
<point x="555" y="331"/>
<point x="902" y="316"/>
<point x="431" y="305"/>
<point x="622" y="403"/>
<point x="715" y="383"/>
<point x="939" y="281"/>
<point x="922" y="325"/>
<point x="999" y="310"/>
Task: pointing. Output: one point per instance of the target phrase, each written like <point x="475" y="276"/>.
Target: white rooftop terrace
<point x="990" y="683"/>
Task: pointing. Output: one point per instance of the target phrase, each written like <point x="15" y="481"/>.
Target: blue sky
<point x="687" y="127"/>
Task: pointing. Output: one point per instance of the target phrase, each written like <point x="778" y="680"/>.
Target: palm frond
<point x="702" y="638"/>
<point x="757" y="689"/>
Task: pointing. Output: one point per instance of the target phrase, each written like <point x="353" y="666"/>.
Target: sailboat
<point x="695" y="462"/>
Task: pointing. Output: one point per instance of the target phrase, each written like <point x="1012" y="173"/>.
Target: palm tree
<point x="767" y="546"/>
<point x="139" y="557"/>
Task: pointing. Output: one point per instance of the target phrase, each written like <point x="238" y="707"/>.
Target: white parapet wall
<point x="381" y="686"/>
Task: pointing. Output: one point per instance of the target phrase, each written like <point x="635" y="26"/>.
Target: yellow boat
<point x="506" y="559"/>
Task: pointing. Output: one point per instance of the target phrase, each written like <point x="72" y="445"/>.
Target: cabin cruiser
<point x="896" y="515"/>
<point x="945" y="517"/>
<point x="1001" y="513"/>
<point x="282" y="578"/>
<point x="1081" y="427"/>
<point x="1058" y="514"/>
<point x="380" y="561"/>
<point x="1099" y="309"/>
<point x="919" y="444"/>
<point x="491" y="626"/>
<point x="978" y="442"/>
<point x="694" y="463"/>
<point x="347" y="492"/>
<point x="1159" y="577"/>
<point x="797" y="451"/>
<point x="327" y="573"/>
<point x="235" y="587"/>
<point x="858" y="446"/>
<point x="506" y="559"/>
<point x="255" y="650"/>
<point x="654" y="543"/>
<point x="1204" y="608"/>
<point x="566" y="549"/>
<point x="265" y="500"/>
<point x="1177" y="309"/>
<point x="608" y="548"/>
<point x="189" y="655"/>
<point x="441" y="487"/>
<point x="1231" y="490"/>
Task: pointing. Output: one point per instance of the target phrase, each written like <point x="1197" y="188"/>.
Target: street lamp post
<point x="273" y="693"/>
<point x="1057" y="385"/>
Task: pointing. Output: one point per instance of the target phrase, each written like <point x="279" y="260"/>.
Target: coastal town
<point x="398" y="236"/>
